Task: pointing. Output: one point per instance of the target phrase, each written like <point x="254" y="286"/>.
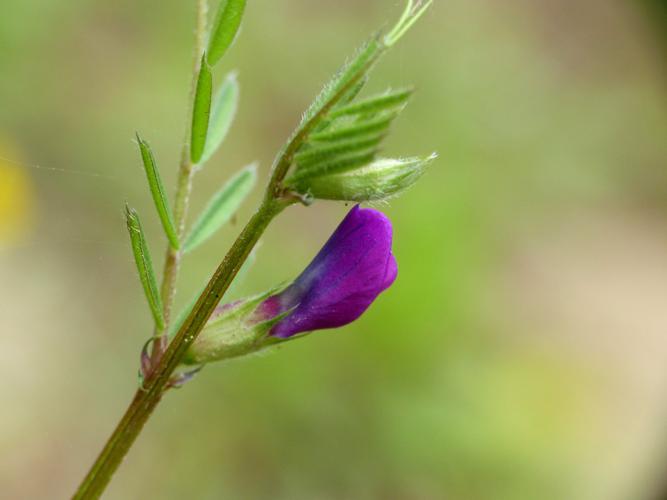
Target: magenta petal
<point x="346" y="276"/>
<point x="391" y="272"/>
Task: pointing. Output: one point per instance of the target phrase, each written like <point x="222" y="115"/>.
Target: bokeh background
<point x="522" y="353"/>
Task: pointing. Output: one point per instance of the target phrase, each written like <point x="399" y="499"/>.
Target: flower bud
<point x="346" y="276"/>
<point x="343" y="280"/>
<point x="380" y="179"/>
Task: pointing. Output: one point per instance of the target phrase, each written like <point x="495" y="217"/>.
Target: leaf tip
<point x="252" y="167"/>
<point x="129" y="211"/>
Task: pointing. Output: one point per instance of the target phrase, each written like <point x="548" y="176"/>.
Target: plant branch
<point x="186" y="172"/>
<point x="167" y="358"/>
<point x="285" y="158"/>
<point x="147" y="398"/>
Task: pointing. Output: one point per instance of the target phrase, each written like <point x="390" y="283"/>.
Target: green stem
<point x="186" y="172"/>
<point x="147" y="398"/>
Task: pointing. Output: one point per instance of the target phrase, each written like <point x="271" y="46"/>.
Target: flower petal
<point x="351" y="270"/>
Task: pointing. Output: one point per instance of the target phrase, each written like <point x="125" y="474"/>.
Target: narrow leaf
<point x="201" y="112"/>
<point x="221" y="207"/>
<point x="374" y="104"/>
<point x="376" y="124"/>
<point x="144" y="263"/>
<point x="347" y="82"/>
<point x="351" y="94"/>
<point x="317" y="153"/>
<point x="222" y="114"/>
<point x="225" y="28"/>
<point x="157" y="191"/>
<point x="334" y="165"/>
<point x="347" y="97"/>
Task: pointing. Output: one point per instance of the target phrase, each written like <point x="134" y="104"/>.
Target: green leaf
<point x="351" y="94"/>
<point x="345" y="84"/>
<point x="346" y="98"/>
<point x="201" y="111"/>
<point x="225" y="28"/>
<point x="374" y="104"/>
<point x="318" y="152"/>
<point x="349" y="80"/>
<point x="157" y="191"/>
<point x="333" y="165"/>
<point x="144" y="264"/>
<point x="374" y="125"/>
<point x="222" y="115"/>
<point x="221" y="207"/>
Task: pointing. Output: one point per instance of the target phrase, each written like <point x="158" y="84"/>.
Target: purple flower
<point x="343" y="280"/>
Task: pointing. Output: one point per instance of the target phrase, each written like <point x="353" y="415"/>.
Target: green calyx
<point x="378" y="180"/>
<point x="234" y="330"/>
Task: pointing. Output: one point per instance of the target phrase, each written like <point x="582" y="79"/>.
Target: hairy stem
<point x="147" y="398"/>
<point x="168" y="358"/>
<point x="186" y="172"/>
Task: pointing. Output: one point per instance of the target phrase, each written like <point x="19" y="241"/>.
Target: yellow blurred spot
<point x="16" y="196"/>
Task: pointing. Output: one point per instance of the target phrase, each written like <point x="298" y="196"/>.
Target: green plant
<point x="332" y="154"/>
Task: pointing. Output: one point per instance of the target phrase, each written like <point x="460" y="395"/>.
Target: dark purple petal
<point x="346" y="276"/>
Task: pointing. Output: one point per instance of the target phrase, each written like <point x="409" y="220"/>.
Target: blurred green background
<point x="520" y="355"/>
